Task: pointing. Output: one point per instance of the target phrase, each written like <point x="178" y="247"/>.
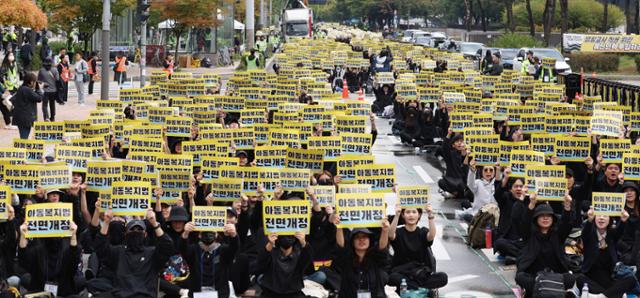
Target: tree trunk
<point x="637" y="17"/>
<point x="605" y="17"/>
<point x="564" y="15"/>
<point x="548" y="17"/>
<point x="482" y="17"/>
<point x="627" y="14"/>
<point x="532" y="25"/>
<point x="510" y="22"/>
<point x="467" y="15"/>
<point x="175" y="55"/>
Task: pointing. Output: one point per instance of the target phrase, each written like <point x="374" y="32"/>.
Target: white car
<point x="408" y="34"/>
<point x="562" y="67"/>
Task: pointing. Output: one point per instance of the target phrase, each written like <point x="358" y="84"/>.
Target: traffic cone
<point x="345" y="90"/>
<point x="360" y="94"/>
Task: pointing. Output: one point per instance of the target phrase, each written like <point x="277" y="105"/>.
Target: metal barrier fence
<point x="623" y="94"/>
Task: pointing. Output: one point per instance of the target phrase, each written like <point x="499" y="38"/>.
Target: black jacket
<point x="223" y="258"/>
<point x="136" y="272"/>
<point x="454" y="161"/>
<point x="46" y="263"/>
<point x="590" y="240"/>
<point x="283" y="275"/>
<point x="557" y="235"/>
<point x="373" y="268"/>
<point x="25" y="108"/>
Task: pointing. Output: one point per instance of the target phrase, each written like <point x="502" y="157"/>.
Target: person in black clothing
<point x="609" y="180"/>
<point x="25" y="108"/>
<point x="454" y="153"/>
<point x="360" y="262"/>
<point x="210" y="259"/>
<point x="174" y="227"/>
<point x="385" y="96"/>
<point x="412" y="257"/>
<point x="512" y="203"/>
<point x="496" y="68"/>
<point x="545" y="240"/>
<point x="486" y="63"/>
<point x="321" y="237"/>
<point x="600" y="256"/>
<point x="632" y="207"/>
<point x="26" y="55"/>
<point x="136" y="266"/>
<point x="93" y="69"/>
<point x="284" y="264"/>
<point x="412" y="124"/>
<point x="353" y="80"/>
<point x="52" y="261"/>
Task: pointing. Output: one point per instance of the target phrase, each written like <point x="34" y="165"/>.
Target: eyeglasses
<point x="487" y="169"/>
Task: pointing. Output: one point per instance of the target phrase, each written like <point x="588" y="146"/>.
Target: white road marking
<point x="439" y="252"/>
<point x="423" y="175"/>
<point x="462" y="278"/>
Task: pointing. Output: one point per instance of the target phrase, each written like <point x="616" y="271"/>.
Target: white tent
<point x="168" y="24"/>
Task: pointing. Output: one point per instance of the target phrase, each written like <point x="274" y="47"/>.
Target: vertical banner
<point x="209" y="218"/>
<point x="49" y="220"/>
<point x="286" y="217"/>
<point x="361" y="210"/>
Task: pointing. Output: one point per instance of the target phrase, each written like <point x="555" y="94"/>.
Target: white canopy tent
<point x="169" y="23"/>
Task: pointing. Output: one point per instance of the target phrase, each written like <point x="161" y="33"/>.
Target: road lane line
<point x="423" y="175"/>
<point x="439" y="252"/>
<point x="462" y="278"/>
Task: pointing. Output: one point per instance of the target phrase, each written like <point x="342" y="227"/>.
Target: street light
<point x="143" y="16"/>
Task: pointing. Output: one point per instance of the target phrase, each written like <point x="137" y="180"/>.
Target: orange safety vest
<point x="90" y="70"/>
<point x="64" y="75"/>
<point x="121" y="67"/>
<point x="169" y="69"/>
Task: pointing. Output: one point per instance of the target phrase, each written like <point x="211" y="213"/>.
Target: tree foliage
<point x="583" y="15"/>
<point x="22" y="13"/>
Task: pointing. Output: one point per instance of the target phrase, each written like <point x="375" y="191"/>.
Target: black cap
<point x="456" y="138"/>
<point x="53" y="191"/>
<point x="242" y="153"/>
<point x="542" y="209"/>
<point x="178" y="214"/>
<point x="569" y="172"/>
<point x="356" y="231"/>
<point x="232" y="211"/>
<point x="630" y="184"/>
<point x="530" y="52"/>
<point x="135" y="223"/>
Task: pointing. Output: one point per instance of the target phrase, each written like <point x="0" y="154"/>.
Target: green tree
<point x="583" y="15"/>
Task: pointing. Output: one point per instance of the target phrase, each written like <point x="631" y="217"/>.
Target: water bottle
<point x="488" y="237"/>
<point x="403" y="286"/>
<point x="585" y="291"/>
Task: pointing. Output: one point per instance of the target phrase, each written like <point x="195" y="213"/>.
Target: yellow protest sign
<point x="34" y="148"/>
<point x="612" y="150"/>
<point x="520" y="158"/>
<point x="131" y="198"/>
<point x="295" y="179"/>
<point x="176" y="178"/>
<point x="606" y="123"/>
<point x="608" y="203"/>
<point x="286" y="217"/>
<point x="505" y="150"/>
<point x="573" y="148"/>
<point x="631" y="166"/>
<point x="325" y="195"/>
<point x="351" y="124"/>
<point x="166" y="161"/>
<point x="199" y="149"/>
<point x="360" y="210"/>
<point x="533" y="171"/>
<point x="49" y="220"/>
<point x="142" y="144"/>
<point x="50" y="132"/>
<point x="559" y="125"/>
<point x="74" y="156"/>
<point x="486" y="154"/>
<point x="5" y="201"/>
<point x="13" y="155"/>
<point x="551" y="189"/>
<point x="226" y="190"/>
<point x="270" y="156"/>
<point x="381" y="177"/>
<point x="460" y="121"/>
<point x="544" y="143"/>
<point x="330" y="145"/>
<point x="211" y="167"/>
<point x="284" y="137"/>
<point x="102" y="173"/>
<point x="209" y="218"/>
<point x="358" y="144"/>
<point x="54" y="176"/>
<point x="178" y="126"/>
<point x="413" y="196"/>
<point x="304" y="159"/>
<point x="23" y="179"/>
<point x="97" y="145"/>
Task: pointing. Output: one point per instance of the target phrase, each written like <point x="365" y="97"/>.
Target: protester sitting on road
<point x="361" y="262"/>
<point x="632" y="207"/>
<point x="544" y="249"/>
<point x="284" y="260"/>
<point x="413" y="262"/>
<point x="385" y="97"/>
<point x="454" y="152"/>
<point x="600" y="256"/>
<point x="483" y="189"/>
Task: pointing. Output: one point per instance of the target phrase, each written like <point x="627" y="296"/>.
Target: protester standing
<point x="120" y="68"/>
<point x="63" y="83"/>
<point x="80" y="76"/>
<point x="49" y="76"/>
<point x="9" y="75"/>
<point x="25" y="107"/>
<point x="93" y="70"/>
<point x="26" y="54"/>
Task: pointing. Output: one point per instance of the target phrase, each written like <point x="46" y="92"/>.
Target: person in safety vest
<point x="9" y="74"/>
<point x="261" y="45"/>
<point x="168" y="65"/>
<point x="93" y="69"/>
<point x="252" y="61"/>
<point x="65" y="75"/>
<point x="528" y="64"/>
<point x="120" y="68"/>
<point x="546" y="73"/>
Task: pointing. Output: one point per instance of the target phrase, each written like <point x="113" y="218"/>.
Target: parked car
<point x="561" y="62"/>
<point x="408" y="34"/>
<point x="470" y="49"/>
<point x="507" y="57"/>
<point x="419" y="34"/>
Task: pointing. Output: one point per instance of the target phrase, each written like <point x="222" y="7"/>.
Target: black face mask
<point x="285" y="242"/>
<point x="207" y="238"/>
<point x="325" y="182"/>
<point x="116" y="232"/>
<point x="134" y="241"/>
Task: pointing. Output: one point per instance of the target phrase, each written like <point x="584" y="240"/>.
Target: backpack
<point x="549" y="285"/>
<point x="486" y="217"/>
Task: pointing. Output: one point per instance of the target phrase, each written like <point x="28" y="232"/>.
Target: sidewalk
<point x="73" y="111"/>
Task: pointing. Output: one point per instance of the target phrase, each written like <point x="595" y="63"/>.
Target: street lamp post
<point x="106" y="25"/>
<point x="250" y="20"/>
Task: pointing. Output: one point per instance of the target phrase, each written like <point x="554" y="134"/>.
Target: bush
<point x="594" y="62"/>
<point x="515" y="40"/>
<point x="584" y="14"/>
<point x="636" y="59"/>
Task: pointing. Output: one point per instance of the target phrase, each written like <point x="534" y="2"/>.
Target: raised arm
<point x="394" y="223"/>
<point x="384" y="235"/>
<point x="339" y="231"/>
<point x="432" y="224"/>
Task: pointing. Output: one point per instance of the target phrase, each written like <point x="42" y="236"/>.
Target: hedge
<point x="594" y="62"/>
<point x="515" y="40"/>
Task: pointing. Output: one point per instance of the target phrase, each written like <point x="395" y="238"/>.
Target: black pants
<point x="49" y="106"/>
<point x="243" y="267"/>
<point x="6" y="114"/>
<point x="436" y="280"/>
<point x="507" y="247"/>
<point x="91" y="83"/>
<point x="528" y="281"/>
<point x="610" y="288"/>
<point x="452" y="185"/>
<point x="64" y="92"/>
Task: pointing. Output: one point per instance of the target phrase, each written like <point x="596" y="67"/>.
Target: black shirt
<point x="411" y="246"/>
